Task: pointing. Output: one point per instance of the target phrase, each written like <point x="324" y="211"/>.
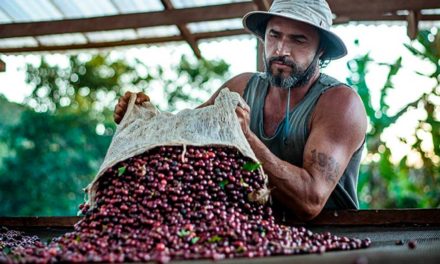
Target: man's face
<point x="290" y="47"/>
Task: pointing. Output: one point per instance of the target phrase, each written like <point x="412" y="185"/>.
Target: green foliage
<point x="383" y="184"/>
<point x="51" y="148"/>
<point x="10" y="113"/>
<point x="84" y="86"/>
<point x="194" y="83"/>
<point x="52" y="158"/>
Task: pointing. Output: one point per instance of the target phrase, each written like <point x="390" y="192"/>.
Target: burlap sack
<point x="145" y="127"/>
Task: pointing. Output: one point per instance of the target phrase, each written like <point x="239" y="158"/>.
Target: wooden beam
<point x="382" y="217"/>
<point x="262" y="5"/>
<point x="39" y="221"/>
<point x="204" y="35"/>
<point x="260" y="56"/>
<point x="2" y="66"/>
<point x="97" y="45"/>
<point x="127" y="21"/>
<point x="380" y="6"/>
<point x="379" y="17"/>
<point x="184" y="31"/>
<point x="413" y="24"/>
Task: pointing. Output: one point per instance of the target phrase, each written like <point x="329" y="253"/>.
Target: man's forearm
<point x="293" y="185"/>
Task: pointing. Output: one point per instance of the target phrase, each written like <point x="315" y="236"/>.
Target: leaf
<point x="223" y="183"/>
<point x="241" y="249"/>
<point x="251" y="166"/>
<point x="183" y="233"/>
<point x="121" y="170"/>
<point x="215" y="239"/>
<point x="78" y="239"/>
<point x="195" y="239"/>
<point x="243" y="183"/>
<point x="6" y="250"/>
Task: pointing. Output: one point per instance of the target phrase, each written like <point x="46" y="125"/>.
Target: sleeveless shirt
<point x="291" y="148"/>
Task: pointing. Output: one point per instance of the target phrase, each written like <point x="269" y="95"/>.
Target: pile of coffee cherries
<point x="12" y="239"/>
<point x="174" y="203"/>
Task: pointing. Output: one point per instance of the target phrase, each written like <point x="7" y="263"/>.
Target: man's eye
<point x="299" y="40"/>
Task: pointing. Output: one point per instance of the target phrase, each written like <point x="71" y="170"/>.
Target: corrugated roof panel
<point x="14" y="10"/>
<point x="431" y="11"/>
<point x="137" y="6"/>
<point x="68" y="8"/>
<point x="18" y="42"/>
<point x="85" y="8"/>
<point x="28" y="11"/>
<point x="62" y="39"/>
<point x="196" y="3"/>
<point x="97" y="8"/>
<point x="402" y="12"/>
<point x="428" y="24"/>
<point x="112" y="35"/>
<point x="4" y="18"/>
<point x="217" y="25"/>
<point x="42" y="10"/>
<point x="159" y="31"/>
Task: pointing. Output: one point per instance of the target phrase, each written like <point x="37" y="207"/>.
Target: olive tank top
<point x="291" y="148"/>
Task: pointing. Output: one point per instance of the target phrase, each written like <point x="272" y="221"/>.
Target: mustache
<point x="282" y="59"/>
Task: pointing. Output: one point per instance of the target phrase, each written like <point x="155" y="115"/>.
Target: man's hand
<point x="121" y="107"/>
<point x="243" y="114"/>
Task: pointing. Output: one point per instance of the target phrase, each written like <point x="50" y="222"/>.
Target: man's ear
<point x="321" y="52"/>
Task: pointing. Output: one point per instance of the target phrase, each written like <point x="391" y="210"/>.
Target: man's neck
<point x="296" y="94"/>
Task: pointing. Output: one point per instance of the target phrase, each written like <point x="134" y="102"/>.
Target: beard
<point x="297" y="77"/>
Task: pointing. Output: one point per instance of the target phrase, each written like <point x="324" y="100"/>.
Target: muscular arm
<point x="337" y="129"/>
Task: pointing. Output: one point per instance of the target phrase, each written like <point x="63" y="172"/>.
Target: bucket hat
<point x="316" y="13"/>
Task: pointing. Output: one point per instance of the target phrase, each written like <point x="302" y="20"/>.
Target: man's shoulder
<point x="340" y="96"/>
<point x="341" y="105"/>
<point x="335" y="91"/>
<point x="330" y="81"/>
<point x="239" y="82"/>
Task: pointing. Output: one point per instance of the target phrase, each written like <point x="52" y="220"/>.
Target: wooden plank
<point x="186" y="34"/>
<point x="412" y="29"/>
<point x="97" y="45"/>
<point x="127" y="21"/>
<point x="2" y="66"/>
<point x="260" y="56"/>
<point x="262" y="5"/>
<point x="379" y="6"/>
<point x="389" y="217"/>
<point x="383" y="217"/>
<point x="342" y="19"/>
<point x="41" y="221"/>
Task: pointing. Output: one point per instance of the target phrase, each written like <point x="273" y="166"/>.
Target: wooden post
<point x="413" y="24"/>
<point x="2" y="66"/>
<point x="260" y="54"/>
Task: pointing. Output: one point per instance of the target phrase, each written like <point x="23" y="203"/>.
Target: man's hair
<point x="322" y="46"/>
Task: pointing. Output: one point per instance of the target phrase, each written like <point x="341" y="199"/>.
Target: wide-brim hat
<point x="316" y="13"/>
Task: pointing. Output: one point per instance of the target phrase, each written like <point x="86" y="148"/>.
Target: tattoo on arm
<point x="325" y="164"/>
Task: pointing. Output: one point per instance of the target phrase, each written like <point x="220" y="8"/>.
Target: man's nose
<point x="282" y="49"/>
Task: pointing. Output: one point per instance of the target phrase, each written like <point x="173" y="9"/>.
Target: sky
<point x="384" y="42"/>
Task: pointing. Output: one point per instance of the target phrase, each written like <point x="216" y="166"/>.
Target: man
<point x="306" y="128"/>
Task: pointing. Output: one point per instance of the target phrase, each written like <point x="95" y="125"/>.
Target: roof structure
<point x="28" y="26"/>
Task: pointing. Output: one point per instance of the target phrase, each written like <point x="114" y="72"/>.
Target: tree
<point x="383" y="184"/>
<point x="53" y="157"/>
